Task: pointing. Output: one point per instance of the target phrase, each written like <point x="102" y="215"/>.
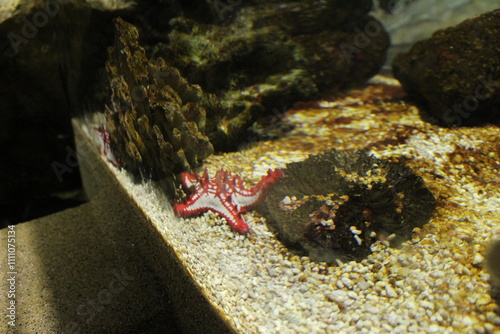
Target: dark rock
<point x="155" y="119"/>
<point x="272" y="55"/>
<point x="493" y="266"/>
<point x="336" y="205"/>
<point x="455" y="74"/>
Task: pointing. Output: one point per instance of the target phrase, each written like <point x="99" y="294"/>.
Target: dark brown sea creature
<point x="336" y="205"/>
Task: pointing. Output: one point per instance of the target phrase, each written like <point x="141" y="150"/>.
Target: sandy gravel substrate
<point x="436" y="283"/>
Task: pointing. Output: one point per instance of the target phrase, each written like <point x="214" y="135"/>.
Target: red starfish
<point x="105" y="141"/>
<point x="224" y="194"/>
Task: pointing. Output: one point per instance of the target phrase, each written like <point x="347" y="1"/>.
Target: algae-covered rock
<point x="154" y="118"/>
<point x="336" y="205"/>
<point x="455" y="74"/>
<point x="271" y="55"/>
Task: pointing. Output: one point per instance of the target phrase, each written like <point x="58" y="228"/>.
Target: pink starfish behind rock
<point x="106" y="147"/>
<point x="224" y="194"/>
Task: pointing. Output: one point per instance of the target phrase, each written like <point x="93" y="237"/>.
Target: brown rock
<point x="455" y="74"/>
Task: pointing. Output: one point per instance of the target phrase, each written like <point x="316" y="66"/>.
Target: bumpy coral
<point x="155" y="119"/>
<point x="336" y="205"/>
<point x="273" y="54"/>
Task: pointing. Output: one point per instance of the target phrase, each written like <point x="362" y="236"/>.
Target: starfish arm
<point x="272" y="177"/>
<point x="193" y="179"/>
<point x="112" y="158"/>
<point x="199" y="203"/>
<point x="105" y="143"/>
<point x="190" y="207"/>
<point x="246" y="201"/>
<point x="233" y="217"/>
<point x="246" y="198"/>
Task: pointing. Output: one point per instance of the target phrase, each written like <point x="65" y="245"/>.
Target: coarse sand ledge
<point x="433" y="283"/>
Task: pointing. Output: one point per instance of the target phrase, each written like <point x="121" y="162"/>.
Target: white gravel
<point x="434" y="283"/>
